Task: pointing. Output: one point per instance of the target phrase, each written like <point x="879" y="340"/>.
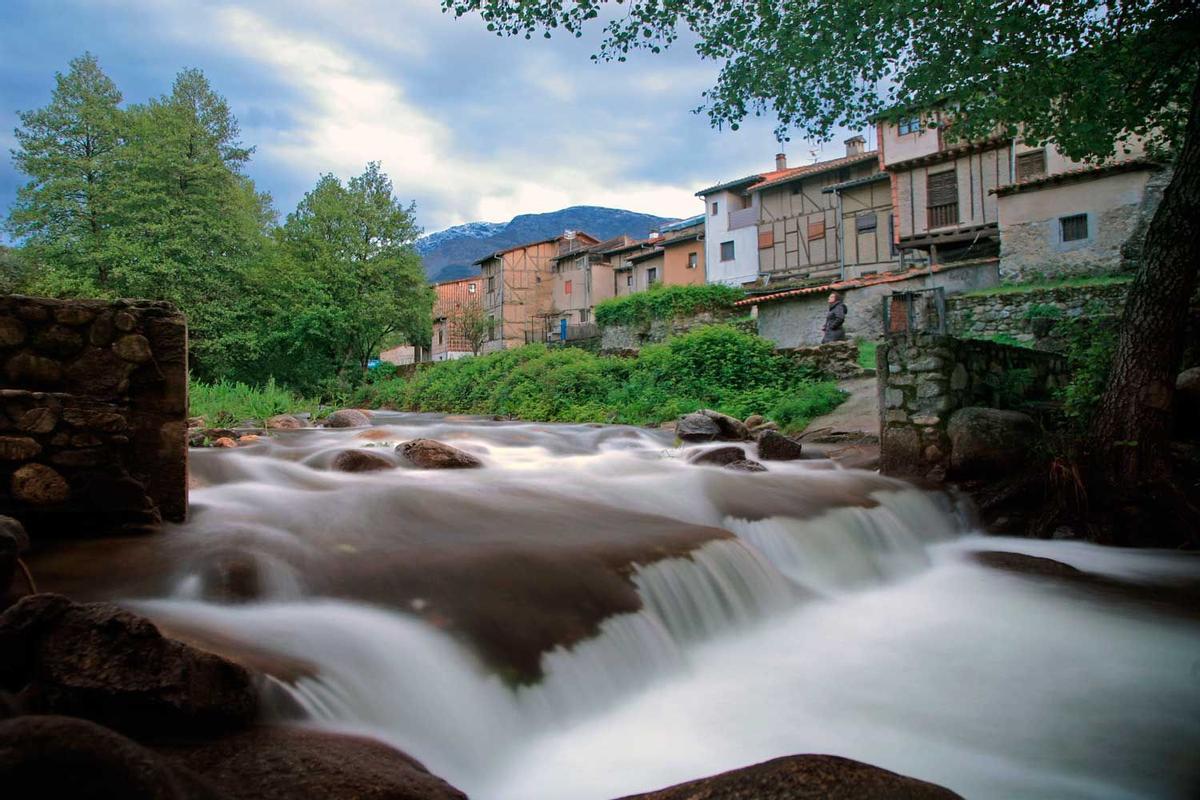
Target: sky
<point x="468" y="125"/>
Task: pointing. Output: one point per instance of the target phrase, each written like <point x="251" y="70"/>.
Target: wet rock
<point x="696" y="428"/>
<point x="18" y="448"/>
<point x="347" y="418"/>
<point x="284" y="422"/>
<point x="1026" y="565"/>
<point x="807" y="777"/>
<point x="37" y="372"/>
<point x="754" y="420"/>
<point x="774" y="446"/>
<point x="224" y="441"/>
<point x="430" y="454"/>
<point x="101" y="663"/>
<point x="745" y="465"/>
<point x="134" y="348"/>
<point x="39" y="485"/>
<point x="54" y="756"/>
<point x="987" y="442"/>
<point x="249" y="438"/>
<point x="288" y="763"/>
<point x="718" y="456"/>
<point x="360" y="460"/>
<point x="731" y="428"/>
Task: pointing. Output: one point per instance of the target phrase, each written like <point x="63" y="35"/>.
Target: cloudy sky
<point x="470" y="126"/>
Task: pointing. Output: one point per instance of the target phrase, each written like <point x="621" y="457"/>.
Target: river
<point x="589" y="615"/>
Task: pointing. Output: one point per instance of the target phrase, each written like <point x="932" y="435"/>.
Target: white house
<point x="730" y="232"/>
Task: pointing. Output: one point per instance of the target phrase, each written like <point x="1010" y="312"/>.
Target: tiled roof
<point x="950" y="153"/>
<point x="523" y="245"/>
<point x="746" y="181"/>
<point x="856" y="283"/>
<point x="1079" y="173"/>
<point x="782" y="176"/>
<point x="863" y="181"/>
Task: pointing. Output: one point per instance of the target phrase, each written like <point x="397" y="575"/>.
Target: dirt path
<point x="858" y="415"/>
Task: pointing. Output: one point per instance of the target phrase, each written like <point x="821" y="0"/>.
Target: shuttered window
<point x="942" y="198"/>
<point x="1031" y="165"/>
<point x="1074" y="227"/>
<point x="766" y="239"/>
<point x="567" y="287"/>
<point x="816" y="229"/>
<point x="865" y="222"/>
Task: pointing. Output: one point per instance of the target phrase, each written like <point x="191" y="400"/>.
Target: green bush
<point x="227" y="403"/>
<point x="1043" y="311"/>
<point x="665" y="302"/>
<point x="717" y="367"/>
<point x="1091" y="342"/>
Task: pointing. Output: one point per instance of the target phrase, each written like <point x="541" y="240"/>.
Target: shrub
<point x="1091" y="343"/>
<point x="228" y="403"/>
<point x="1043" y="311"/>
<point x="665" y="302"/>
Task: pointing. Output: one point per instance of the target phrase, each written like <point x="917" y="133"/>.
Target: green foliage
<point x="717" y="367"/>
<point x="1085" y="73"/>
<point x="228" y="403"/>
<point x="1091" y="342"/>
<point x="1043" y="311"/>
<point x="665" y="302"/>
<point x="1010" y="388"/>
<point x="866" y="353"/>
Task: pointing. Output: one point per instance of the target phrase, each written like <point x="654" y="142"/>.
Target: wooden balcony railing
<point x="943" y="215"/>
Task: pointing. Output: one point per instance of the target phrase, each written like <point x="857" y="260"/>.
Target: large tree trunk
<point x="1132" y="427"/>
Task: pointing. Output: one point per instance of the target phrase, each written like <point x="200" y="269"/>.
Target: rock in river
<point x="718" y="456"/>
<point x="986" y="442"/>
<point x="360" y="460"/>
<point x="430" y="454"/>
<point x="774" y="446"/>
<point x="696" y="428"/>
<point x="347" y="418"/>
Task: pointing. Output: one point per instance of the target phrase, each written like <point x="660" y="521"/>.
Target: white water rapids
<point x="843" y="615"/>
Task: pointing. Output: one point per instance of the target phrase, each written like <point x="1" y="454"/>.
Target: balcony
<point x="941" y="216"/>
<point x="743" y="218"/>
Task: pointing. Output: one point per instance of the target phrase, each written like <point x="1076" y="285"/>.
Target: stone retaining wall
<point x="839" y="359"/>
<point x="626" y="338"/>
<point x="923" y="379"/>
<point x="93" y="414"/>
<point x="1014" y="314"/>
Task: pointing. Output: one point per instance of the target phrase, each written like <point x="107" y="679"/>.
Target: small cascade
<point x="852" y="548"/>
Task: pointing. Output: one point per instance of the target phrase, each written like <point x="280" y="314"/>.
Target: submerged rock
<point x="347" y="418"/>
<point x="718" y="456"/>
<point x="986" y="442"/>
<point x="360" y="460"/>
<point x="807" y="777"/>
<point x="696" y="428"/>
<point x="745" y="465"/>
<point x="96" y="661"/>
<point x="431" y="454"/>
<point x="774" y="446"/>
<point x="285" y="763"/>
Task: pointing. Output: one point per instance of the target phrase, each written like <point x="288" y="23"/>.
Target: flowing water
<point x="589" y="615"/>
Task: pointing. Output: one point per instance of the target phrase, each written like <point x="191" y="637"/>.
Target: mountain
<point x="449" y="254"/>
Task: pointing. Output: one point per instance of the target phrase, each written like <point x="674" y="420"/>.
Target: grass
<point x="1064" y="283"/>
<point x="715" y="367"/>
<point x="866" y="353"/>
<point x="226" y="403"/>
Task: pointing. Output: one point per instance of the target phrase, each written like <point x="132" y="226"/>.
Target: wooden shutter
<point x="864" y="222"/>
<point x="816" y="229"/>
<point x="766" y="238"/>
<point x="1031" y="165"/>
<point x="943" y="188"/>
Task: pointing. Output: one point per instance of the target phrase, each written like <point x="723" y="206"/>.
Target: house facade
<point x="731" y="232"/>
<point x="454" y="298"/>
<point x="519" y="288"/>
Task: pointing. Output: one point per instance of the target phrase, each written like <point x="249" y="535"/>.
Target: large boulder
<point x="284" y="763"/>
<point x="360" y="460"/>
<point x="986" y="442"/>
<point x="1187" y="403"/>
<point x="731" y="429"/>
<point x="431" y="454"/>
<point x="347" y="418"/>
<point x="808" y="777"/>
<point x="99" y="662"/>
<point x="718" y="456"/>
<point x="697" y="428"/>
<point x="774" y="446"/>
<point x="52" y="756"/>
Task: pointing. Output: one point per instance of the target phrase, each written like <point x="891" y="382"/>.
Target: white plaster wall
<point x="744" y="267"/>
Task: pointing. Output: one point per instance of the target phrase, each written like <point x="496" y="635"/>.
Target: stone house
<point x="449" y="342"/>
<point x="518" y="289"/>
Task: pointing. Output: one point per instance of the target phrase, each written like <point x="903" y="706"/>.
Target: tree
<point x="352" y="246"/>
<point x="1087" y="74"/>
<point x="470" y="321"/>
<point x="68" y="150"/>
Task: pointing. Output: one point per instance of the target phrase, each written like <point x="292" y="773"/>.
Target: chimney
<point x="780" y="161"/>
<point x="855" y="146"/>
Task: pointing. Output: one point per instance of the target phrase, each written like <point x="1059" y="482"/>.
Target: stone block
<point x="893" y="398"/>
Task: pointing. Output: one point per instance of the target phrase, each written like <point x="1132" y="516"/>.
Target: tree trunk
<point x="1132" y="427"/>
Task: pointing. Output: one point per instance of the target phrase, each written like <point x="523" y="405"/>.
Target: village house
<point x="519" y="288"/>
<point x="731" y="232"/>
<point x="579" y="279"/>
<point x="454" y="300"/>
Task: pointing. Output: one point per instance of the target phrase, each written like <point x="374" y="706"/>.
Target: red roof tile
<point x="855" y="283"/>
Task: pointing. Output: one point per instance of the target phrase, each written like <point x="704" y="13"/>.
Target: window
<point x="746" y="201"/>
<point x="491" y="283"/>
<point x="727" y="251"/>
<point x="629" y="280"/>
<point x="567" y="287"/>
<point x="893" y="249"/>
<point x="909" y="125"/>
<point x="471" y="288"/>
<point x="439" y="335"/>
<point x="766" y="239"/>
<point x="714" y="208"/>
<point x="652" y="276"/>
<point x="1031" y="165"/>
<point x="583" y="316"/>
<point x="816" y="229"/>
<point x="1074" y="227"/>
<point x="942" y="198"/>
<point x="491" y="327"/>
<point x="693" y="260"/>
<point x="865" y="222"/>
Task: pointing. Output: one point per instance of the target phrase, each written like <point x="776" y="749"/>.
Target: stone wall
<point x="923" y="379"/>
<point x="839" y="359"/>
<point x="626" y="338"/>
<point x="1014" y="314"/>
<point x="93" y="412"/>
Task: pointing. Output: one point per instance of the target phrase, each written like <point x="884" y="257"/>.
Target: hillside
<point x="448" y="254"/>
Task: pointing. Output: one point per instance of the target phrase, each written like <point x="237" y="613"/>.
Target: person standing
<point x="835" y="320"/>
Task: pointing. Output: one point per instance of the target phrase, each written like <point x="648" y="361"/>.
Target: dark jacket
<point x="835" y="319"/>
